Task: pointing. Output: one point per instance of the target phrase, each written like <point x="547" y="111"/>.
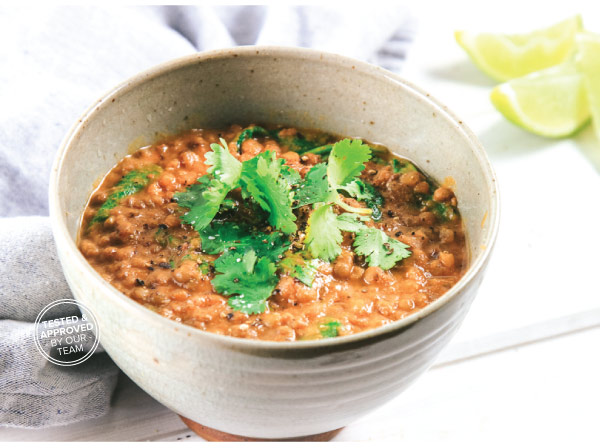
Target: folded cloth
<point x="55" y="62"/>
<point x="33" y="391"/>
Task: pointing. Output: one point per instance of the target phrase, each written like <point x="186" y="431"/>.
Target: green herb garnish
<point x="321" y="187"/>
<point x="232" y="237"/>
<point x="248" y="279"/>
<point x="130" y="183"/>
<point x="378" y="248"/>
<point x="251" y="255"/>
<point x="364" y="191"/>
<point x="323" y="181"/>
<point x="296" y="143"/>
<point x="261" y="180"/>
<point x="323" y="236"/>
<point x="251" y="133"/>
<point x="298" y="266"/>
<point x="330" y="329"/>
<point x="402" y="166"/>
<point x="204" y="198"/>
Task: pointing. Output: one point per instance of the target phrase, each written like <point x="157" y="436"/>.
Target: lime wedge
<point x="551" y="102"/>
<point x="504" y="56"/>
<point x="588" y="62"/>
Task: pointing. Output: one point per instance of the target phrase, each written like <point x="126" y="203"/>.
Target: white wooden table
<point x="525" y="366"/>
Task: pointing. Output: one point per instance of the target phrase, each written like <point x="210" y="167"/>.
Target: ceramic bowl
<point x="260" y="388"/>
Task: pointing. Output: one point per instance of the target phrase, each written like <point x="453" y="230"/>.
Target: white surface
<point x="544" y="264"/>
<point x="524" y="367"/>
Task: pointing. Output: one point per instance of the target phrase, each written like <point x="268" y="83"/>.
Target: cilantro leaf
<point x="224" y="167"/>
<point x="330" y="329"/>
<point x="379" y="249"/>
<point x="320" y="185"/>
<point x="248" y="279"/>
<point x="291" y="176"/>
<point x="323" y="236"/>
<point x="322" y="181"/>
<point x="229" y="236"/>
<point x="130" y="183"/>
<point x="347" y="222"/>
<point x="305" y="273"/>
<point x="261" y="180"/>
<point x="315" y="187"/>
<point x="297" y="266"/>
<point x="346" y="161"/>
<point x="203" y="200"/>
<point x="366" y="192"/>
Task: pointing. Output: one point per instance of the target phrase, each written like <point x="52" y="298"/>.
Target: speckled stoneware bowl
<point x="257" y="388"/>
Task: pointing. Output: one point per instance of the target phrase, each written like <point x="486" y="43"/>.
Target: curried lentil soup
<point x="274" y="233"/>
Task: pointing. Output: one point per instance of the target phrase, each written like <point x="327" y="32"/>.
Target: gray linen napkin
<point x="55" y="62"/>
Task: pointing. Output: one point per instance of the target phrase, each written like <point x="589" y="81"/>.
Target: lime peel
<point x="551" y="103"/>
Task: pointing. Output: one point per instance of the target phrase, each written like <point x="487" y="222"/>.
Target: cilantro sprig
<point x="260" y="179"/>
<point x="323" y="182"/>
<point x="204" y="199"/>
<point x="322" y="187"/>
<point x="251" y="255"/>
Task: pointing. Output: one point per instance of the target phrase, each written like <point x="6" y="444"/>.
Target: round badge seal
<point x="67" y="340"/>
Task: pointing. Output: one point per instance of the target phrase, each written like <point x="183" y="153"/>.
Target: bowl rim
<point x="61" y="234"/>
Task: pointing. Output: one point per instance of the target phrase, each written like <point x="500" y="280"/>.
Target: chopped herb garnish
<point x="297" y="143"/>
<point x="305" y="273"/>
<point x="298" y="266"/>
<point x="346" y="161"/>
<point x="291" y="176"/>
<point x="364" y="191"/>
<point x="330" y="329"/>
<point x="379" y="249"/>
<point x="131" y="183"/>
<point x="402" y="166"/>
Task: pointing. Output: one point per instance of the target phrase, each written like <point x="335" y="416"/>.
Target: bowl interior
<point x="277" y="85"/>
